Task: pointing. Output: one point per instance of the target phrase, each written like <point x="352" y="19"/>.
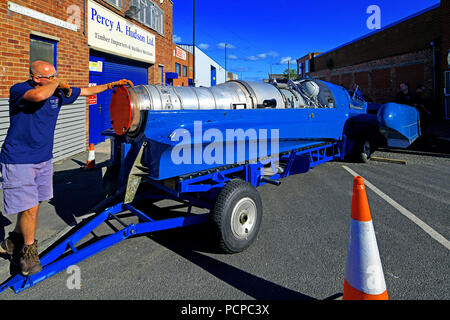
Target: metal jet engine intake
<point x="128" y="105"/>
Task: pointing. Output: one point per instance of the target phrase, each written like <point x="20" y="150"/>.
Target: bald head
<point x="41" y="71"/>
<point x="41" y="67"/>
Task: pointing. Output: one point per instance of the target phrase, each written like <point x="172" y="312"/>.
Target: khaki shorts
<point x="25" y="185"/>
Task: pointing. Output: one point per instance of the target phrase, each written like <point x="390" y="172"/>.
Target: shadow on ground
<point x="191" y="242"/>
<point x="183" y="242"/>
<point x="76" y="191"/>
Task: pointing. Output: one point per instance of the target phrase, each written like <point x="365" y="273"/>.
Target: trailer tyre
<point x="365" y="152"/>
<point x="237" y="215"/>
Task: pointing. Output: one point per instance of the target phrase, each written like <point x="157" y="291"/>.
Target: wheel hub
<point x="243" y="218"/>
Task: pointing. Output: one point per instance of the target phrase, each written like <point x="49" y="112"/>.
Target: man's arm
<point x="89" y="91"/>
<point x="41" y="93"/>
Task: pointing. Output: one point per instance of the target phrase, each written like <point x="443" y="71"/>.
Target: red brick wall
<point x="72" y="49"/>
<point x="73" y="54"/>
<point x="362" y="79"/>
<point x="183" y="81"/>
<point x="413" y="74"/>
<point x="347" y="80"/>
<point x="379" y="79"/>
<point x="407" y="57"/>
<point x="412" y="35"/>
<point x="336" y="79"/>
<point x="163" y="43"/>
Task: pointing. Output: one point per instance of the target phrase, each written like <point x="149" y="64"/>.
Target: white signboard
<point x="180" y="53"/>
<point x="114" y="34"/>
<point x="40" y="16"/>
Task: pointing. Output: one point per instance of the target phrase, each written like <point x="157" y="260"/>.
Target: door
<point x="447" y="94"/>
<point x="111" y="68"/>
<point x="95" y="112"/>
<point x="213" y="76"/>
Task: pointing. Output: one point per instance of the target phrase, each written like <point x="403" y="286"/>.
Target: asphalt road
<point x="301" y="249"/>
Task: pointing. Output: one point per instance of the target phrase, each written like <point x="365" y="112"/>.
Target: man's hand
<point x="65" y="88"/>
<point x="89" y="91"/>
<point x="119" y="83"/>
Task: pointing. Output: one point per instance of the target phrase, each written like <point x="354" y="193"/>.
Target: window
<point x="184" y="71"/>
<point x="177" y="68"/>
<point x="42" y="49"/>
<point x="150" y="14"/>
<point x="160" y="74"/>
<point x="116" y="3"/>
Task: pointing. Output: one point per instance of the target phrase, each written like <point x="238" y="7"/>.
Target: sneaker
<point x="29" y="261"/>
<point x="11" y="244"/>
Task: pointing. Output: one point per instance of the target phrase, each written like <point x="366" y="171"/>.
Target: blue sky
<point x="264" y="33"/>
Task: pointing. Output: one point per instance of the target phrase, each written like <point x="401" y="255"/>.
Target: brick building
<point x="183" y="62"/>
<point x="89" y="42"/>
<point x="412" y="50"/>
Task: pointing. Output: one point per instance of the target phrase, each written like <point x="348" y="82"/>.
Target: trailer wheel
<point x="237" y="215"/>
<point x="366" y="151"/>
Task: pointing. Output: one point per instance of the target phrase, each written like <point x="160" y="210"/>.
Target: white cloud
<point x="239" y="69"/>
<point x="262" y="56"/>
<point x="285" y="60"/>
<point x="232" y="57"/>
<point x="203" y="46"/>
<point x="176" y="39"/>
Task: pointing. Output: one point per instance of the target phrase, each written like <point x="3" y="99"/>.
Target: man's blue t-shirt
<point x="32" y="125"/>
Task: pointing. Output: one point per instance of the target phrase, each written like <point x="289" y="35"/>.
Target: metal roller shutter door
<point x="70" y="132"/>
<point x="4" y="119"/>
<point x="114" y="69"/>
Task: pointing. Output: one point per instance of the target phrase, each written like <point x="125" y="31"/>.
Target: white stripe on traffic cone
<point x="91" y="157"/>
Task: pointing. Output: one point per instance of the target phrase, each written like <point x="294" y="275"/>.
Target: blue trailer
<point x="166" y="143"/>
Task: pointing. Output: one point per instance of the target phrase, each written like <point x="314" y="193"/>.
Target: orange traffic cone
<point x="364" y="278"/>
<point x="91" y="158"/>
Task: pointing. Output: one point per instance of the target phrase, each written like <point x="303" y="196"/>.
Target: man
<point x="404" y="96"/>
<point x="422" y="104"/>
<point x="26" y="155"/>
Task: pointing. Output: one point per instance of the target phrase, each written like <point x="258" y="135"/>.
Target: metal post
<point x="225" y="62"/>
<point x="433" y="46"/>
<point x="289" y="71"/>
<point x="193" y="43"/>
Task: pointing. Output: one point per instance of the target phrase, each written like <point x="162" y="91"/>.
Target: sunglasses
<point x="46" y="77"/>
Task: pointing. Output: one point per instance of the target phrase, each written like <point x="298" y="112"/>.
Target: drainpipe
<point x="433" y="46"/>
